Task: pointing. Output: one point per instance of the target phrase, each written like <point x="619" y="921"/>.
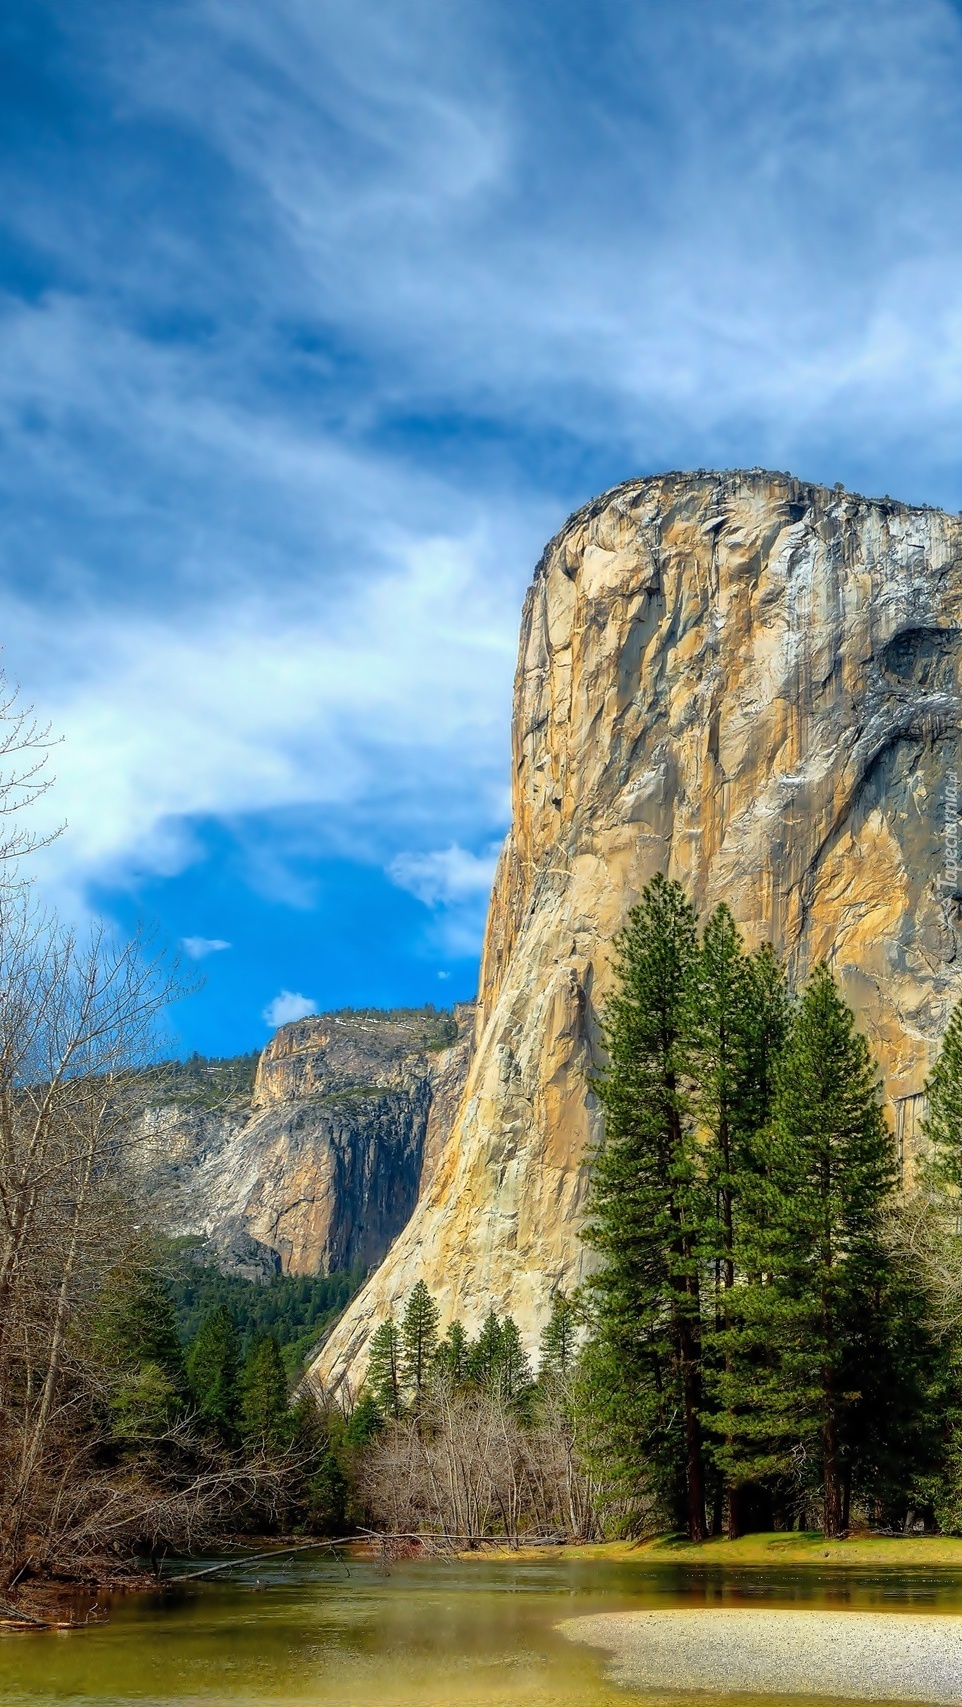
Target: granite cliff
<point x="755" y="685"/>
<point x="318" y="1166"/>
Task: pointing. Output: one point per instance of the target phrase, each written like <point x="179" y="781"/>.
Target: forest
<point x="770" y="1337"/>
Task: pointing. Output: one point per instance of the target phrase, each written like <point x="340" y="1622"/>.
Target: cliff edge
<point x="752" y="684"/>
<point x="318" y="1167"/>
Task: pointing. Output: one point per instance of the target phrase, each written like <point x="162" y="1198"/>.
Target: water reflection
<point x="436" y="1634"/>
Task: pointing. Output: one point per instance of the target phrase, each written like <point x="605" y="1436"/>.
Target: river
<point x="435" y="1634"/>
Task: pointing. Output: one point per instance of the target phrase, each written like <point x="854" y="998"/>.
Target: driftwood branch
<point x="382" y="1537"/>
<point x="16" y="1615"/>
<point x="255" y="1558"/>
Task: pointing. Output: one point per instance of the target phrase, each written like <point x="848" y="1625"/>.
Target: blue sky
<point x="316" y="319"/>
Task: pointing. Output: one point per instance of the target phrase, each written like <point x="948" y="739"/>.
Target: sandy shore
<point x="881" y="1656"/>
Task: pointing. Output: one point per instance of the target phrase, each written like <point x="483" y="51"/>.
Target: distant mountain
<point x="308" y="1159"/>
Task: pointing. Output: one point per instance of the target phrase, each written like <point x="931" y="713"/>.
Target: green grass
<point x="785" y="1547"/>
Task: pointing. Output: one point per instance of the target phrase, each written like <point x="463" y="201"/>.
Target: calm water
<point x="434" y="1634"/>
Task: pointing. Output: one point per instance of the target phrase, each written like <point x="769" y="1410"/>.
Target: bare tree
<point x="469" y="1468"/>
<point x="25" y="746"/>
<point x="76" y="1024"/>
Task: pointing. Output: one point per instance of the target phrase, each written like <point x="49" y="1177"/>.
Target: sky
<point x="317" y="318"/>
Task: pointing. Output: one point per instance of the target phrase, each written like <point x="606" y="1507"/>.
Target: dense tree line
<point x="294" y="1308"/>
<point x="407" y="1359"/>
<point x="773" y="1334"/>
<point x="463" y="1440"/>
<point x="223" y="1393"/>
<point x="762" y="1349"/>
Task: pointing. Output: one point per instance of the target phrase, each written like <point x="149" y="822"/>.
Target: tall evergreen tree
<point x="558" y="1348"/>
<point x="767" y="1017"/>
<point x="721" y="993"/>
<point x="942" y="1125"/>
<point x="384" y="1368"/>
<point x="740" y="1020"/>
<point x="135" y="1333"/>
<point x="419" y="1340"/>
<point x="649" y="1205"/>
<point x="513" y="1370"/>
<point x="213" y="1365"/>
<point x="816" y="1255"/>
<point x="451" y="1357"/>
<point x="139" y="1317"/>
<point x="365" y="1420"/>
<point x="264" y="1407"/>
<point x="484" y="1356"/>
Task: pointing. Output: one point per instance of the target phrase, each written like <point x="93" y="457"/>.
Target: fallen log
<point x="255" y="1558"/>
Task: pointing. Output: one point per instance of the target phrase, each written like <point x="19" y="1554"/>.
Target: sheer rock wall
<point x="752" y="684"/>
<point x="321" y="1169"/>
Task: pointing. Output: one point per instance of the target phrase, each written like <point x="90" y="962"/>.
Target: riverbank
<point x="885" y="1656"/>
<point x="895" y="1552"/>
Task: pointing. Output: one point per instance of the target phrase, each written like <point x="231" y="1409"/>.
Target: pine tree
<point x="512" y="1368"/>
<point x="740" y="1019"/>
<point x="384" y="1368"/>
<point x="419" y="1340"/>
<point x="213" y="1362"/>
<point x="135" y="1333"/>
<point x="942" y="1125"/>
<point x="451" y="1357"/>
<point x="264" y="1410"/>
<point x="484" y="1356"/>
<point x="365" y="1420"/>
<point x="720" y="997"/>
<point x="649" y="1206"/>
<point x="767" y="1021"/>
<point x="558" y="1346"/>
<point x="816" y="1256"/>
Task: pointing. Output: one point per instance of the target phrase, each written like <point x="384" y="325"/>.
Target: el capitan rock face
<point x="754" y="685"/>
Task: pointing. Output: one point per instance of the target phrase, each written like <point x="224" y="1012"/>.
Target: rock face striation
<point x="319" y="1169"/>
<point x="754" y="685"/>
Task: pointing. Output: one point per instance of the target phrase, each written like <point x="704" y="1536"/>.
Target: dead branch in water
<point x="18" y="1616"/>
<point x="255" y="1558"/>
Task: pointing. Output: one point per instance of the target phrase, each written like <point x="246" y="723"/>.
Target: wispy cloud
<point x="455" y="883"/>
<point x="447" y="875"/>
<point x="288" y="1006"/>
<point x="353" y="704"/>
<point x="548" y="221"/>
<point x="318" y="320"/>
<point x="199" y="947"/>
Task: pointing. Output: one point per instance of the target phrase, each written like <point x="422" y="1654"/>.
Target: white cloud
<point x="288" y="1006"/>
<point x="701" y="242"/>
<point x="198" y="947"/>
<point x="455" y="884"/>
<point x="337" y="702"/>
<point x="547" y="232"/>
<point x="447" y="876"/>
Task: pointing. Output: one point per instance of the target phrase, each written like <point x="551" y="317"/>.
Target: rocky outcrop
<point x="321" y="1167"/>
<point x="752" y="684"/>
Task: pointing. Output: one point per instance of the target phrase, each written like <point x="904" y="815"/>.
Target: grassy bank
<point x="868" y="1552"/>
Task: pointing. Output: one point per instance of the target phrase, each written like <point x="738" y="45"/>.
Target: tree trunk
<point x="694" y="1468"/>
<point x="833" y="1523"/>
<point x="687" y="1325"/>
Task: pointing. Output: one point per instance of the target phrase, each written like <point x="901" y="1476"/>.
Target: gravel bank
<point x="880" y="1656"/>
